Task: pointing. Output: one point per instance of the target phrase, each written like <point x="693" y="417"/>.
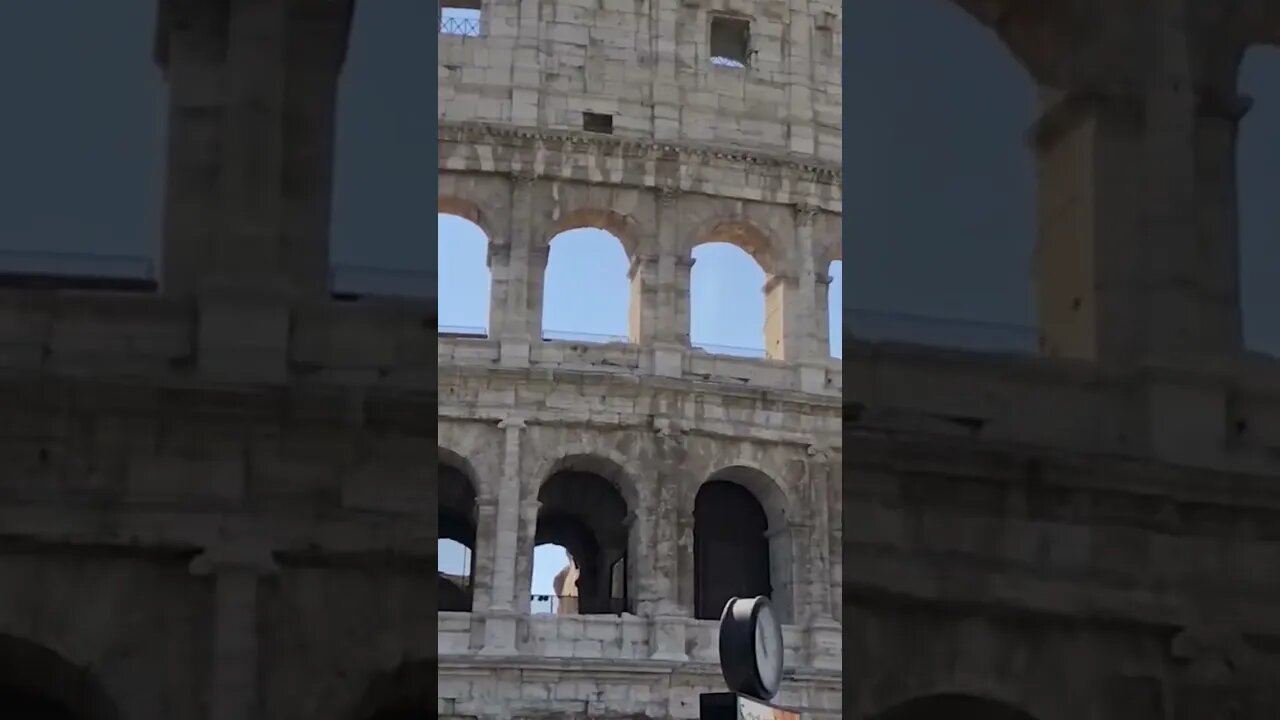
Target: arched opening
<point x="464" y="282"/>
<point x="582" y="512"/>
<point x="835" y="308"/>
<point x="948" y="706"/>
<point x="727" y="301"/>
<point x="84" y="146"/>
<point x="942" y="203"/>
<point x="379" y="242"/>
<point x="1258" y="172"/>
<point x="457" y="540"/>
<point x="38" y="684"/>
<point x="741" y="545"/>
<point x="586" y="294"/>
<point x="555" y="581"/>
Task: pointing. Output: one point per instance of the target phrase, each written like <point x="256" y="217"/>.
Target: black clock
<point x="751" y="647"/>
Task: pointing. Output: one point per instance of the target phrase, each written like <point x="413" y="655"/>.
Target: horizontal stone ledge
<point x="78" y="526"/>
<point x="608" y="669"/>
<point x="898" y="580"/>
<point x="637" y="422"/>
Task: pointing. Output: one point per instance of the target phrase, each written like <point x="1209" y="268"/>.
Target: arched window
<point x="936" y="249"/>
<point x="586" y="294"/>
<point x="464" y="279"/>
<point x="1258" y="172"/>
<point x="742" y="542"/>
<point x="947" y="706"/>
<point x="730" y="547"/>
<point x="457" y="540"/>
<point x="727" y="301"/>
<point x="583" y="513"/>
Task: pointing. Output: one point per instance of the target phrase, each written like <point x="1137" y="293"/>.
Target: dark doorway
<point x="730" y="547"/>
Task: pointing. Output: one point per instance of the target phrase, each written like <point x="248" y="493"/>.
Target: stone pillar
<point x="685" y="579"/>
<point x="681" y="299"/>
<point x="190" y="46"/>
<point x="823" y="633"/>
<point x="500" y="622"/>
<point x="315" y="51"/>
<point x="236" y="569"/>
<point x="525" y="544"/>
<point x="646" y="300"/>
<point x="789" y="299"/>
<point x="483" y="554"/>
<point x="513" y="324"/>
<point x="252" y="106"/>
<point x="250" y="250"/>
<point x="1087" y="259"/>
<point x="666" y="542"/>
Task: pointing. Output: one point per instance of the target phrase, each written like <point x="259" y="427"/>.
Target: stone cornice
<point x="806" y="167"/>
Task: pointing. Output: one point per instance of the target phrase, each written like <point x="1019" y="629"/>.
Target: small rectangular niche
<point x="597" y="123"/>
<point x="460" y="17"/>
<point x="730" y="41"/>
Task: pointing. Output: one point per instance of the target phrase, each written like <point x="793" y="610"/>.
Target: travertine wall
<point x="696" y="154"/>
<point x="1090" y="534"/>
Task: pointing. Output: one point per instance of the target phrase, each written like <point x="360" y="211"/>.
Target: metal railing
<point x="972" y="335"/>
<point x="136" y="273"/>
<point x="550" y="605"/>
<point x="464" y="26"/>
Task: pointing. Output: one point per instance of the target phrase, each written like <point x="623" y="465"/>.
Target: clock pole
<point x="751" y="662"/>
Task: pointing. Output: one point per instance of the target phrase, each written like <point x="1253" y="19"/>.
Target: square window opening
<point x="460" y="17"/>
<point x="730" y="41"/>
<point x="597" y="123"/>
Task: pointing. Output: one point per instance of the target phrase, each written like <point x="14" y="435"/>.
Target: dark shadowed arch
<point x="37" y="683"/>
<point x="583" y="510"/>
<point x="730" y="547"/>
<point x="457" y="522"/>
<point x="949" y="706"/>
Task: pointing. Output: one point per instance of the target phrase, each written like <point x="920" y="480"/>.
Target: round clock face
<point x="768" y="649"/>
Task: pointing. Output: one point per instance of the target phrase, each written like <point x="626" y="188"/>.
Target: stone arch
<point x="622" y="226"/>
<point x="457" y="510"/>
<point x="51" y="684"/>
<point x="739" y="229"/>
<point x="467" y="210"/>
<point x="406" y="692"/>
<point x="1038" y="36"/>
<point x="942" y="706"/>
<point x="587" y="504"/>
<point x="737" y="508"/>
<point x="592" y="458"/>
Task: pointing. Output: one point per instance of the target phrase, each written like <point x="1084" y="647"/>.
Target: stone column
<point x="483" y="554"/>
<point x="670" y="337"/>
<point x="645" y="299"/>
<point x="685" y="579"/>
<point x="191" y="44"/>
<point x="789" y="299"/>
<point x="527" y="538"/>
<point x="513" y="325"/>
<point x="250" y="249"/>
<point x="823" y="633"/>
<point x="500" y="623"/>
<point x="315" y="51"/>
<point x="681" y="299"/>
<point x="236" y="569"/>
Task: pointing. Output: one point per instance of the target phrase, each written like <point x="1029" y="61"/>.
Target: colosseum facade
<point x="675" y="475"/>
